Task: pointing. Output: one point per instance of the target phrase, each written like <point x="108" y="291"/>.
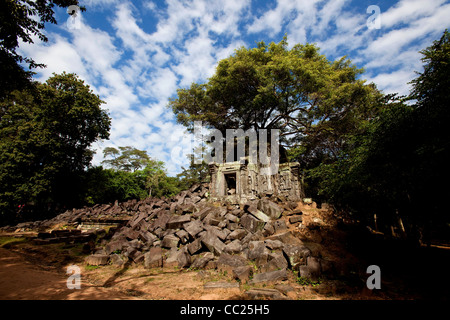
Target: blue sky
<point x="135" y="54"/>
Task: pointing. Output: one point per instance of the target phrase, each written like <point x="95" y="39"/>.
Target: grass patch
<point x="253" y="265"/>
<point x="246" y="286"/>
<point x="8" y="242"/>
<point x="90" y="268"/>
<point x="304" y="281"/>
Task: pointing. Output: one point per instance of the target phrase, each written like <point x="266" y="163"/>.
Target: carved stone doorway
<point x="230" y="183"/>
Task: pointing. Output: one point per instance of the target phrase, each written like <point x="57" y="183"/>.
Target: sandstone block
<point x="170" y="241"/>
<point x="153" y="258"/>
<point x="201" y="262"/>
<point x="228" y="262"/>
<point x="271" y="276"/>
<point x="177" y="222"/>
<point x="97" y="259"/>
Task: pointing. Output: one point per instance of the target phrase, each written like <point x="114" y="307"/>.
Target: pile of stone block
<point x="252" y="240"/>
<point x="66" y="236"/>
<point x="111" y="214"/>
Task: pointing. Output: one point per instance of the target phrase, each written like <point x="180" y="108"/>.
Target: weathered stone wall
<point x="238" y="182"/>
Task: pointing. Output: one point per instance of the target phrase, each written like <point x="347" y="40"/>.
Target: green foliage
<point x="108" y="185"/>
<point x="430" y="87"/>
<point x="312" y="100"/>
<point x="157" y="182"/>
<point x="345" y="179"/>
<point x="196" y="173"/>
<point x="126" y="158"/>
<point x="304" y="281"/>
<point x="397" y="165"/>
<point x="8" y="242"/>
<point x="20" y="20"/>
<point x="45" y="136"/>
<point x="90" y="267"/>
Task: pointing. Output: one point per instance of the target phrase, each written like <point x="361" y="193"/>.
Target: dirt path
<point x="21" y="280"/>
<point x="34" y="274"/>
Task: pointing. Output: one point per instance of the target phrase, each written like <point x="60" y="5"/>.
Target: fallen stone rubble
<point x="99" y="214"/>
<point x="188" y="231"/>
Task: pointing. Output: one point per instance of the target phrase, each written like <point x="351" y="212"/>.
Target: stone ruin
<point x="248" y="231"/>
<point x="252" y="240"/>
<point x="238" y="182"/>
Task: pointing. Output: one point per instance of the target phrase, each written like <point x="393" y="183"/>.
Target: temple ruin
<point x="239" y="182"/>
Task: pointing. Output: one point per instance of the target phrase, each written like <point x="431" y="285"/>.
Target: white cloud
<point x="160" y="84"/>
<point x="197" y="63"/>
<point x="99" y="3"/>
<point x="394" y="82"/>
<point x="180" y="21"/>
<point x="223" y="17"/>
<point x="295" y="17"/>
<point x="225" y="52"/>
<point x="150" y="5"/>
<point x="128" y="31"/>
<point x="273" y="19"/>
<point x="58" y="57"/>
<point x="329" y="13"/>
<point x="397" y="49"/>
<point x="407" y="11"/>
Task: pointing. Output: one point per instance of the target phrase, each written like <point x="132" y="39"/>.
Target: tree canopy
<point x="398" y="167"/>
<point x="126" y="158"/>
<point x="196" y="173"/>
<point x="133" y="174"/>
<point x="297" y="90"/>
<point x="45" y="137"/>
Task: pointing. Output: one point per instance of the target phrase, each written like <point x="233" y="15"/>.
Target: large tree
<point x="45" y="138"/>
<point x="398" y="167"/>
<point x="297" y="90"/>
<point x="146" y="177"/>
<point x="126" y="158"/>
